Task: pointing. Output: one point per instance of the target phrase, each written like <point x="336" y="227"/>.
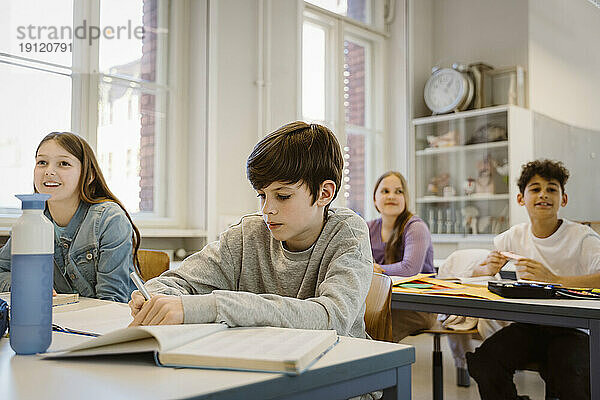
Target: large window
<point x="133" y="96"/>
<point x="342" y="73"/>
<point x="36" y="91"/>
<point x="99" y="69"/>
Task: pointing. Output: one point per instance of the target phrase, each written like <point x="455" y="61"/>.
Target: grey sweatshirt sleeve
<point x="200" y="274"/>
<point x="209" y="269"/>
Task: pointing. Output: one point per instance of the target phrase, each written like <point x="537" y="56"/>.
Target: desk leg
<point x="595" y="359"/>
<point x="402" y="390"/>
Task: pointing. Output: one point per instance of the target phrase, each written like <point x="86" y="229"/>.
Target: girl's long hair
<point x="92" y="185"/>
<point x="393" y="249"/>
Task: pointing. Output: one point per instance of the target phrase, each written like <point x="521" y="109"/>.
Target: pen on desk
<point x="140" y="285"/>
<point x="58" y="328"/>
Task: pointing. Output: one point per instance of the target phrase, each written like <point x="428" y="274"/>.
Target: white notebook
<point x="215" y="346"/>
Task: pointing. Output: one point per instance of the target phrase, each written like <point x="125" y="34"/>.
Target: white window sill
<point x="148" y="232"/>
<point x="172" y="233"/>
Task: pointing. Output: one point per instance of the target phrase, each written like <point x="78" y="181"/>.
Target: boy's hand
<point x="159" y="310"/>
<point x="492" y="264"/>
<point x="136" y="302"/>
<point x="377" y="268"/>
<point x="534" y="271"/>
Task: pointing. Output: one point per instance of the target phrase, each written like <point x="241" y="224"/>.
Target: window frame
<point x="170" y="143"/>
<point x="374" y="131"/>
<point x="375" y="12"/>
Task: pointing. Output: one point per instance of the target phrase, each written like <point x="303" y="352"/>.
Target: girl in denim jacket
<point x="95" y="240"/>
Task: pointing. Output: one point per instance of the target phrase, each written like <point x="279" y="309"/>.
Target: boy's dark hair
<point x="547" y="169"/>
<point x="297" y="152"/>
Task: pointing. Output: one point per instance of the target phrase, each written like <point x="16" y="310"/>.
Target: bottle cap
<point x="36" y="201"/>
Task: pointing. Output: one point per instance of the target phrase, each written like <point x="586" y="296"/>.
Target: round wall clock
<point x="449" y="89"/>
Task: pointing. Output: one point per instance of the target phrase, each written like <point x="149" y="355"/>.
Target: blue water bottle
<point x="32" y="246"/>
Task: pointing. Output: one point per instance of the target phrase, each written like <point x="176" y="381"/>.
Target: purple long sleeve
<point x="416" y="242"/>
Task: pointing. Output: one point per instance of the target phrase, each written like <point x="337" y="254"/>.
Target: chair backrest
<point x="378" y="313"/>
<point x="460" y="263"/>
<point x="152" y="263"/>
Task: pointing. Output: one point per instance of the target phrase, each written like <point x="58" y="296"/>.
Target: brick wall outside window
<point x="147" y="107"/>
<point x="354" y="106"/>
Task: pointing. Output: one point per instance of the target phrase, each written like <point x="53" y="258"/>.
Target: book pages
<point x="255" y="348"/>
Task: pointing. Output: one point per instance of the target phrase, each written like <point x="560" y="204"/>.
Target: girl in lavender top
<point x="401" y="246"/>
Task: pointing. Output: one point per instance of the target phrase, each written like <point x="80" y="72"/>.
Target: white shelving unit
<point x="499" y="138"/>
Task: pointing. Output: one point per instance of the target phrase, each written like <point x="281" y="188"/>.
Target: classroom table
<point x="352" y="367"/>
<point x="556" y="312"/>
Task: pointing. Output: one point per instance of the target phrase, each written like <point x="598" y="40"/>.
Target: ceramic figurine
<point x="448" y="139"/>
<point x="470" y="214"/>
<point x="469" y="186"/>
<point x="485" y="181"/>
<point x="449" y="191"/>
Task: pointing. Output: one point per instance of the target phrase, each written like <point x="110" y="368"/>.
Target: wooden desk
<point x="352" y="367"/>
<point x="568" y="313"/>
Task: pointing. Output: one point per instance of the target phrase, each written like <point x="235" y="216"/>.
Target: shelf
<point x="460" y="115"/>
<point x="473" y="197"/>
<point x="468" y="147"/>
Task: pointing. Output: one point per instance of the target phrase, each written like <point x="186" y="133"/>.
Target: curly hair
<point x="547" y="169"/>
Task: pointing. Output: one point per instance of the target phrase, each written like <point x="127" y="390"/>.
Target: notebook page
<point x="266" y="343"/>
<point x="98" y="320"/>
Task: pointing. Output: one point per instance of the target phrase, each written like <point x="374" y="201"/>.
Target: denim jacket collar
<point x="75" y="222"/>
<point x="62" y="243"/>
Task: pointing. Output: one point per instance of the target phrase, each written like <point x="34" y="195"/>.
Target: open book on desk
<point x="214" y="346"/>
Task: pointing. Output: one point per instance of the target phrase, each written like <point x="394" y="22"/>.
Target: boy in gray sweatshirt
<point x="297" y="264"/>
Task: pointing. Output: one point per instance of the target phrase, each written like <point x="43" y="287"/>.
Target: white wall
<point x="446" y="31"/>
<point x="284" y="63"/>
<point x="494" y="32"/>
<point x="197" y="111"/>
<point x="564" y="61"/>
<point x="420" y="54"/>
<point x="234" y="131"/>
<point x="396" y="89"/>
<point x="240" y="111"/>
